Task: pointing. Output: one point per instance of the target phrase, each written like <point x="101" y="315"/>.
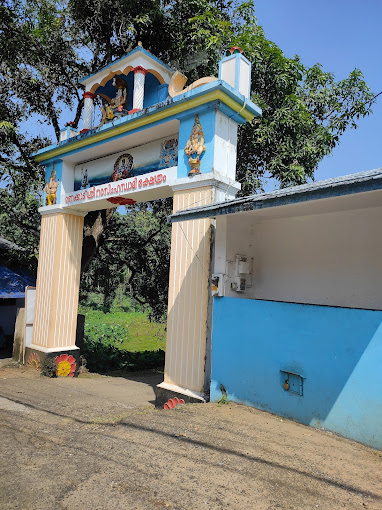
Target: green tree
<point x="305" y="111"/>
<point x="46" y="46"/>
<point x="134" y="258"/>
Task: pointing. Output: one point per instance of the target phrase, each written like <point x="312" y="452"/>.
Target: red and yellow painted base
<point x="67" y="362"/>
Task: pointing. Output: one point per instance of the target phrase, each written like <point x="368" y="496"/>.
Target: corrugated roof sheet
<point x="347" y="184"/>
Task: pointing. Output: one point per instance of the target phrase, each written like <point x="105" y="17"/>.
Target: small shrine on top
<point x="151" y="134"/>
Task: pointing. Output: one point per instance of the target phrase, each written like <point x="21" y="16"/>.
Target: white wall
<point x="225" y="143"/>
<point x="329" y="258"/>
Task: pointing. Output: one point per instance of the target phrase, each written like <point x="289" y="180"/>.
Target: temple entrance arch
<point x="183" y="144"/>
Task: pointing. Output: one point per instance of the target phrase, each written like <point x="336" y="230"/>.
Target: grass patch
<point x="130" y="331"/>
<point x="122" y="340"/>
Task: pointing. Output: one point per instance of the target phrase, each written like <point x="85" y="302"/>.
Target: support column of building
<point x="139" y="88"/>
<point x="88" y="110"/>
<point x="58" y="278"/>
<point x="188" y="300"/>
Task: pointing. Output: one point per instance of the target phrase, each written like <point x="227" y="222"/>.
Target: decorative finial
<point x="234" y="49"/>
<point x="140" y="43"/>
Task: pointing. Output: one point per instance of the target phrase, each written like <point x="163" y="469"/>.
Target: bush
<point x="107" y="334"/>
<point x="104" y="357"/>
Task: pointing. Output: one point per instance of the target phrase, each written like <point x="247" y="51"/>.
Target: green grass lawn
<point x="131" y="331"/>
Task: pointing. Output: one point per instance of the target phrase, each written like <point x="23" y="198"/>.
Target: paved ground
<point x="98" y="443"/>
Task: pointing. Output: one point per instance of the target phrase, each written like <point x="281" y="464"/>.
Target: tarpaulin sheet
<point x="12" y="284"/>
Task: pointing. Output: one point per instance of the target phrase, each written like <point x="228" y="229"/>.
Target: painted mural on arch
<point x="133" y="162"/>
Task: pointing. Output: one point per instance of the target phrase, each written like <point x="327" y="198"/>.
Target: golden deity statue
<point x="51" y="188"/>
<point x="195" y="147"/>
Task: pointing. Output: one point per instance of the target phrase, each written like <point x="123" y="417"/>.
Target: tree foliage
<point x="46" y="46"/>
<point x="305" y="110"/>
<point x="134" y="257"/>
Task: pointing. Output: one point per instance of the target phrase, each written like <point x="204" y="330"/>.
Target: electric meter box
<point x="217" y="284"/>
<point x="243" y="267"/>
<point x="238" y="284"/>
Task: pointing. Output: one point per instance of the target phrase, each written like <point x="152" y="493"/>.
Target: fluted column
<point x="188" y="294"/>
<point x="58" y="278"/>
<point x="88" y="110"/>
<point x="139" y="87"/>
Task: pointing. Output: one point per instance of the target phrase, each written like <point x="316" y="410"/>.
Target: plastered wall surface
<point x="337" y="351"/>
<point x="330" y="259"/>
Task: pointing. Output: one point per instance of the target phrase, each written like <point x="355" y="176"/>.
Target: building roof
<point x="339" y="186"/>
<point x="12" y="284"/>
<point x="8" y="245"/>
<point x="138" y="49"/>
<point x="13" y="281"/>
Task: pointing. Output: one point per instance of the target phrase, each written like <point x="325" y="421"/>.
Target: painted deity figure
<point x="120" y="98"/>
<point x="51" y="188"/>
<point x="123" y="167"/>
<point x="117" y="104"/>
<point x="195" y="147"/>
<point x="168" y="153"/>
<point x="85" y="179"/>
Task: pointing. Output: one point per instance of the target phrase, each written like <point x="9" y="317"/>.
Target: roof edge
<point x="348" y="184"/>
<point x="135" y="50"/>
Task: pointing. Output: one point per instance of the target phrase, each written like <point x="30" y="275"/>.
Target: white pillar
<point x="88" y="110"/>
<point x="139" y="87"/>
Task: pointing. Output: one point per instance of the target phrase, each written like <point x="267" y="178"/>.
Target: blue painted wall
<point x="207" y="121"/>
<point x="151" y="90"/>
<point x="338" y="351"/>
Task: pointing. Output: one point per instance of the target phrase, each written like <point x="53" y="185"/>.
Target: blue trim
<point x="204" y="89"/>
<point x="187" y="114"/>
<point x="135" y="50"/>
<point x="162" y="92"/>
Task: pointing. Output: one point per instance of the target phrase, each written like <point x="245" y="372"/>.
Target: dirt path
<point x="99" y="443"/>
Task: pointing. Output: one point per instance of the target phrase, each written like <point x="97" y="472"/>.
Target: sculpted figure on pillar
<point x="195" y="147"/>
<point x="51" y="188"/>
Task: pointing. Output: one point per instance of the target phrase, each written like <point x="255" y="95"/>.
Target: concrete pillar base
<point x="34" y="357"/>
<point x="164" y="391"/>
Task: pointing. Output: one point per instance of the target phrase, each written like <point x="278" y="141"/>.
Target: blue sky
<point x="340" y="35"/>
